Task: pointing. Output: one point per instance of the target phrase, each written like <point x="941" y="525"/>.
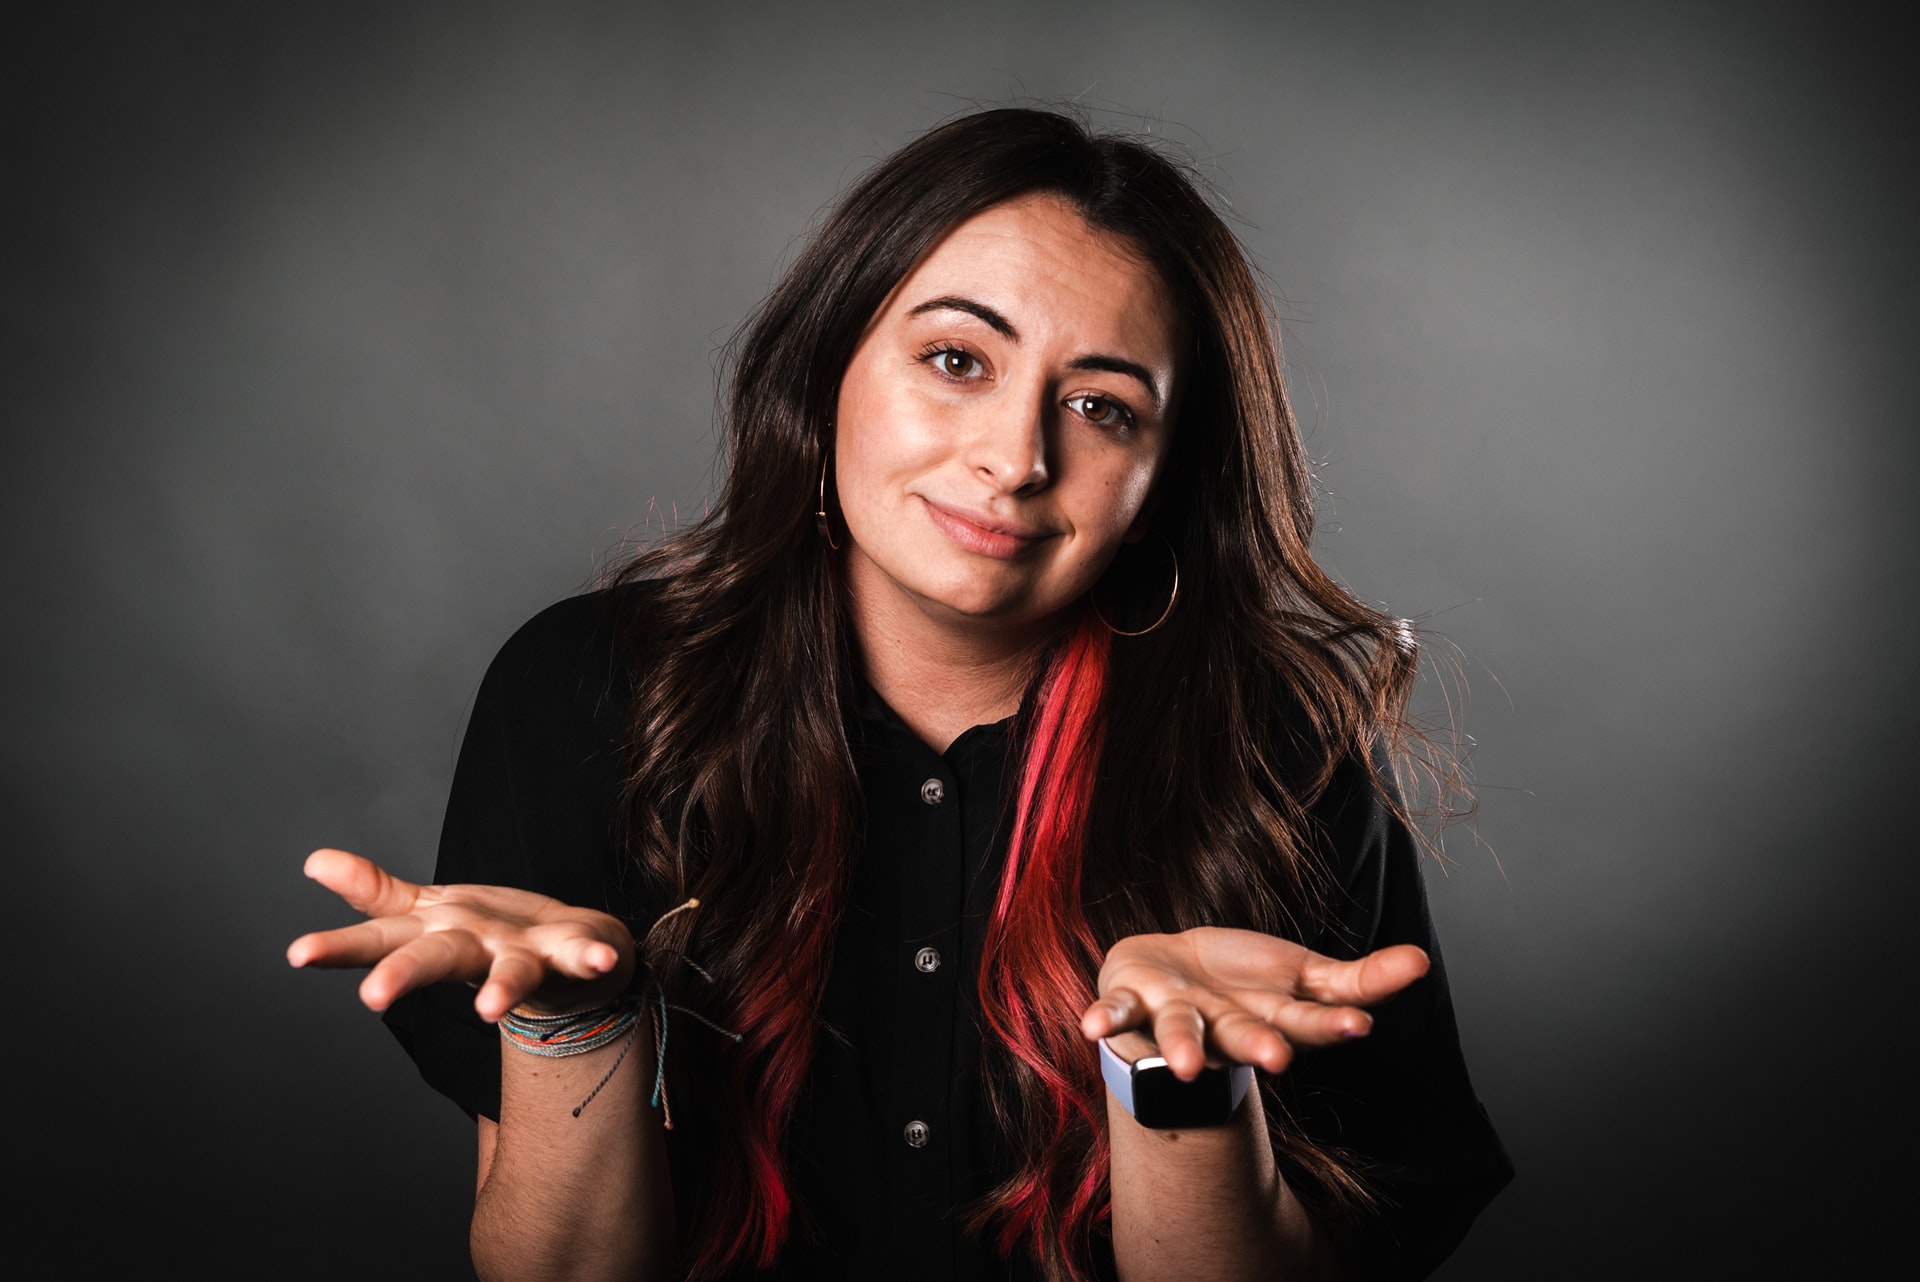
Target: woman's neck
<point x="942" y="680"/>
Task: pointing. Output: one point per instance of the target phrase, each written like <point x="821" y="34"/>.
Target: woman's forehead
<point x="1036" y="262"/>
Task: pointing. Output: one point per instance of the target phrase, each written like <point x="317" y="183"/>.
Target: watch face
<point x="1164" y="1102"/>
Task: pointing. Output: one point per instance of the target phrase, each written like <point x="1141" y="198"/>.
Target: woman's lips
<point x="979" y="532"/>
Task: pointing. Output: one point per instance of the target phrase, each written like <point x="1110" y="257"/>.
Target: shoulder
<point x="546" y="735"/>
<point x="535" y="801"/>
<point x="1362" y="851"/>
<point x="1372" y="857"/>
<point x="1337" y="777"/>
<point x="573" y="638"/>
<point x="570" y="659"/>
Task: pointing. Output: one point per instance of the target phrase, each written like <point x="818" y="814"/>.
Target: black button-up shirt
<point x="903" y="993"/>
<point x="893" y="1141"/>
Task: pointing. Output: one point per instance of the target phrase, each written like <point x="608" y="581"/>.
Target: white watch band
<point x="1208" y="1100"/>
<point x="1119" y="1075"/>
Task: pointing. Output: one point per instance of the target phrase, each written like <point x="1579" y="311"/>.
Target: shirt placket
<point x="925" y="963"/>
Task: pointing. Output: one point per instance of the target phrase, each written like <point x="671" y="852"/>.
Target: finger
<point x="1369" y="979"/>
<point x="1115" y="1012"/>
<point x="574" y="951"/>
<point x="361" y="944"/>
<point x="1243" y="1037"/>
<point x="433" y="958"/>
<point x="1181" y="1034"/>
<point x="364" y="884"/>
<point x="516" y="974"/>
<point x="1312" y="1024"/>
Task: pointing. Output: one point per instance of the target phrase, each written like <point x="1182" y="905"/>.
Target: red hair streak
<point x="766" y="1073"/>
<point x="1036" y="979"/>
<point x="1040" y="958"/>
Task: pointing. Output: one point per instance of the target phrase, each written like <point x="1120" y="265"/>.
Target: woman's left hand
<point x="1240" y="995"/>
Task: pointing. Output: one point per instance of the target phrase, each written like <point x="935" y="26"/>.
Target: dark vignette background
<point x="339" y="339"/>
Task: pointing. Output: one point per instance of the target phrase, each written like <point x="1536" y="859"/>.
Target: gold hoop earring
<point x="1172" y="598"/>
<point x="820" y="513"/>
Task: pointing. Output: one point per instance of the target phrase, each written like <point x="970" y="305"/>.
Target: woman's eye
<point x="1099" y="410"/>
<point x="955" y="363"/>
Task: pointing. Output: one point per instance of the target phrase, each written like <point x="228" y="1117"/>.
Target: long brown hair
<point x="1234" y="714"/>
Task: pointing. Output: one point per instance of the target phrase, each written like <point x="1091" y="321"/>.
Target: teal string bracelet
<point x="554" y="1036"/>
<point x="579" y="1032"/>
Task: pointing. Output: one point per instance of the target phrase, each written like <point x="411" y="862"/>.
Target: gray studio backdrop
<point x="341" y="339"/>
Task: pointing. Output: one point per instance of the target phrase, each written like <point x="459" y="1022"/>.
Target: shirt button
<point x="917" y="1134"/>
<point x="933" y="792"/>
<point x="927" y="960"/>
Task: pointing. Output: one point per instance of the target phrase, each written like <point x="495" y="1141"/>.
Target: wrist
<point x="1149" y="1092"/>
<point x="575" y="1032"/>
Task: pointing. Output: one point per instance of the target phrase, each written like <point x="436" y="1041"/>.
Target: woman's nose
<point x="1009" y="444"/>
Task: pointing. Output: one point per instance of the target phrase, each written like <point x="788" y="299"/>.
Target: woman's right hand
<point x="518" y="948"/>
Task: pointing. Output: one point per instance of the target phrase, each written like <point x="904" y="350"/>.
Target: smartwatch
<point x="1157" y="1099"/>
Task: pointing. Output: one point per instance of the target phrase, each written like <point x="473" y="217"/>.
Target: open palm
<point x="516" y="947"/>
<point x="1240" y="995"/>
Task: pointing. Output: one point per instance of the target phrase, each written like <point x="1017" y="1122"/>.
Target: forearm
<point x="1208" y="1202"/>
<point x="1211" y="1201"/>
<point x="576" y="1197"/>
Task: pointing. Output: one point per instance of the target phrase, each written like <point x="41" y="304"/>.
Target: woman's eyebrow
<point x="1004" y="327"/>
<point x="955" y="303"/>
<point x="1120" y="365"/>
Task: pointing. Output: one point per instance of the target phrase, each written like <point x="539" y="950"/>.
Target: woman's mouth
<point x="983" y="533"/>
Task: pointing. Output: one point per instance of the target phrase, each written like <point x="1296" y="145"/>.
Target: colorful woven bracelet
<point x="552" y="1036"/>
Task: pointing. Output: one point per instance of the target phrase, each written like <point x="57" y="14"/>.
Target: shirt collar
<point x="876" y="713"/>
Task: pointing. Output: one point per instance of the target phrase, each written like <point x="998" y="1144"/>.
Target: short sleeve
<point x="1400" y="1100"/>
<point x="535" y="804"/>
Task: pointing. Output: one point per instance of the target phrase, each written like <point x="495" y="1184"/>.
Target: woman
<point x="996" y="727"/>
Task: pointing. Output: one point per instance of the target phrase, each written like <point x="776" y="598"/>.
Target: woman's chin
<point x="990" y="612"/>
<point x="967" y="595"/>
